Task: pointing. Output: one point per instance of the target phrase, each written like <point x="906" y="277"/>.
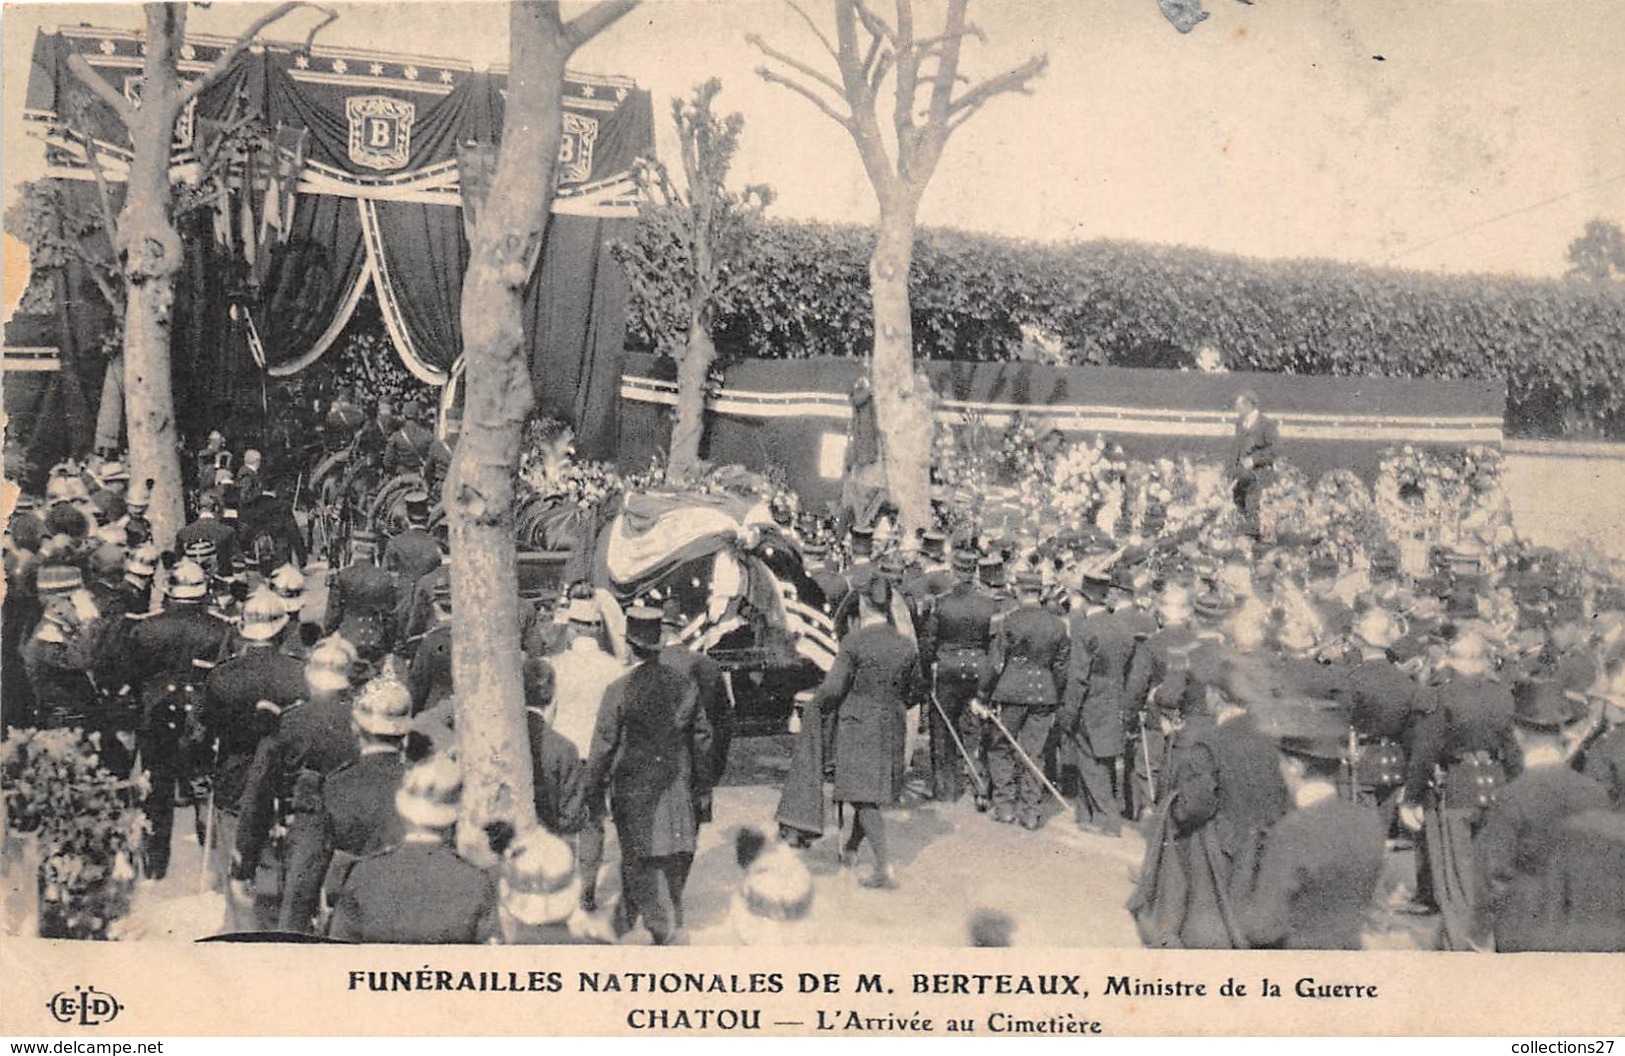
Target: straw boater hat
<point x="538" y="884"/>
<point x="430" y="792"/>
<point x="264" y="616"/>
<point x="330" y="664"/>
<point x="584" y="612"/>
<point x="383" y="708"/>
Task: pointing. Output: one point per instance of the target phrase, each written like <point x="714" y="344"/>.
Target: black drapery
<point x="378" y="205"/>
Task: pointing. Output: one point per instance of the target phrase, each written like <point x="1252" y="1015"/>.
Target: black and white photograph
<point x="1140" y="475"/>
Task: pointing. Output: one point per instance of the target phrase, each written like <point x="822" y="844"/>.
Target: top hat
<point x="933" y="544"/>
<point x="417" y="507"/>
<point x="863" y="540"/>
<point x="643" y="627"/>
<point x="991" y="571"/>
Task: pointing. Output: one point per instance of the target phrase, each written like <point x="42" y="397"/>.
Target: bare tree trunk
<point x="688" y="429"/>
<point x="152" y="254"/>
<point x="903" y="402"/>
<point x="493" y="744"/>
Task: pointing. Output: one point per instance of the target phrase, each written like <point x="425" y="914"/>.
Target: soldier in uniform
<point x="54" y="658"/>
<point x="172" y="654"/>
<point x="651" y="753"/>
<point x="538" y="892"/>
<point x="420" y="891"/>
<point x="413" y="553"/>
<point x="1521" y="825"/>
<point x="313" y="738"/>
<point x="1161" y="655"/>
<point x="954" y="648"/>
<point x="1094" y="704"/>
<point x="361" y="601"/>
<point x="243" y="700"/>
<point x="344" y="418"/>
<point x="1321" y="862"/>
<point x="1461" y="750"/>
<point x="269" y="531"/>
<point x="408" y="446"/>
<point x="353" y="814"/>
<point x="1381" y="703"/>
<point x="209" y="528"/>
<point x="1026" y="672"/>
<point x="288" y="583"/>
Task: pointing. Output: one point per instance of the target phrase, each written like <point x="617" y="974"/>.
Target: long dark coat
<point x="651" y="750"/>
<point x="875" y="678"/>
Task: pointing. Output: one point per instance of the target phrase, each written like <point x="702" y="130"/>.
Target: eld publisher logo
<point x="86" y="1006"/>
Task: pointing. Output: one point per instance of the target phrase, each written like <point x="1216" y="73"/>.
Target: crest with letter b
<point x="380" y="131"/>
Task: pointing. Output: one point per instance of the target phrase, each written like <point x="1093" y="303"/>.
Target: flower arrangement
<point x="87" y="829"/>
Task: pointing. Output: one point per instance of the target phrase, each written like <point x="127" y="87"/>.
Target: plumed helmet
<point x="383" y="708"/>
<point x="264" y="616"/>
<point x="538" y="884"/>
<point x="430" y="792"/>
<point x="330" y="664"/>
<point x="187" y="581"/>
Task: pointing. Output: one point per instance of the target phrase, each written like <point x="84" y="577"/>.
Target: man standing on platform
<point x="863" y="488"/>
<point x="1252" y="457"/>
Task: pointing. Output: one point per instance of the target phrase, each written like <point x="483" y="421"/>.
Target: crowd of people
<point x="1277" y="725"/>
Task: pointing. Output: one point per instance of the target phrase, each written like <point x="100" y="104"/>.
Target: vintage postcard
<point x="823" y="518"/>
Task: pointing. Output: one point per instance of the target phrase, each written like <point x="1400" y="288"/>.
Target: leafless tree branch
<point x="213" y="74"/>
<point x="1017" y="80"/>
<point x="872" y="22"/>
<point x="595" y="20"/>
<point x="774" y="77"/>
<point x="800" y="67"/>
<point x="823" y="38"/>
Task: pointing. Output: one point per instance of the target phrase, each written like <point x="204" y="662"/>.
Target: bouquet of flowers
<point x="86" y="828"/>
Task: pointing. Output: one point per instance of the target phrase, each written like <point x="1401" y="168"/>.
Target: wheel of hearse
<point x="387" y="512"/>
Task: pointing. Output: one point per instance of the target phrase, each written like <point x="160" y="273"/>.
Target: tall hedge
<point x="1559" y="345"/>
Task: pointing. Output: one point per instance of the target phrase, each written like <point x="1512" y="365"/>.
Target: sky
<point x="1449" y="136"/>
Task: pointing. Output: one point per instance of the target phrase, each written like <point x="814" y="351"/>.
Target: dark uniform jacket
<point x="651" y="750"/>
<point x="875" y="678"/>
<point x="1028" y="659"/>
<point x="1459" y="717"/>
<point x="1514" y="848"/>
<point x="411" y="555"/>
<point x="1163" y="654"/>
<point x="289" y="766"/>
<point x="355" y="818"/>
<point x="1380" y="699"/>
<point x="266" y="528"/>
<point x="416" y="893"/>
<point x="428" y="677"/>
<point x="1096" y="693"/>
<point x="361" y="603"/>
<point x="180" y="645"/>
<point x="958" y="632"/>
<point x="1319" y="873"/>
<point x="209" y="528"/>
<point x="58" y="675"/>
<point x="233" y="714"/>
<point x="560" y="776"/>
<point x="407" y="449"/>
